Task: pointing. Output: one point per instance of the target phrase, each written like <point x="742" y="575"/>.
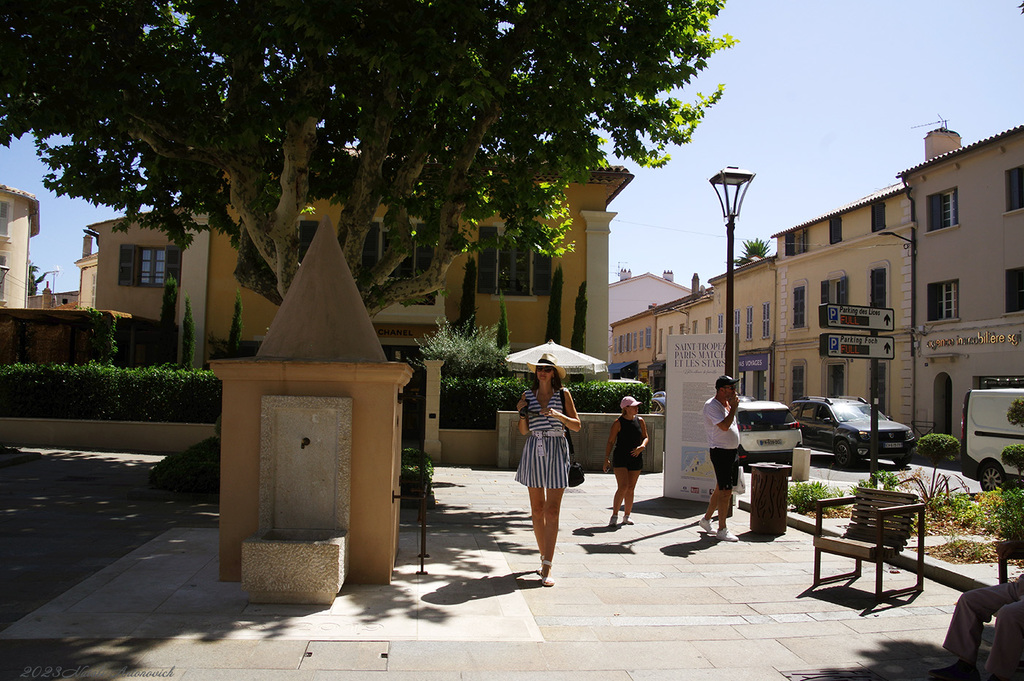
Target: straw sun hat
<point x="547" y="359"/>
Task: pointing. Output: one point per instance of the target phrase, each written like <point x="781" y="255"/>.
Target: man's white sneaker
<point x="725" y="535"/>
<point x="705" y="525"/>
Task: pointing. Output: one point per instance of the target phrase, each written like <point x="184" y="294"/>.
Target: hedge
<point x="105" y="393"/>
<point x="474" y="403"/>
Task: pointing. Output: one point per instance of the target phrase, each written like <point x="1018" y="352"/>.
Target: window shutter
<point x="5" y="217"/>
<point x="878" y="287"/>
<point x="954" y="217"/>
<point x="824" y="292"/>
<point x="878" y="217"/>
<point x="126" y="265"/>
<point x="307" y="229"/>
<point x="370" y="254"/>
<point x="487" y="276"/>
<point x="1016" y="188"/>
<point x="933" y="301"/>
<point x="935" y="212"/>
<point x="790" y="244"/>
<point x="841" y="292"/>
<point x="172" y="263"/>
<point x="541" y="274"/>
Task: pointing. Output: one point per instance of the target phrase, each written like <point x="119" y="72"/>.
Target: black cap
<point x="724" y="380"/>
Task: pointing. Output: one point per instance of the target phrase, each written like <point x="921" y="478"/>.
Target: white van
<point x="985" y="433"/>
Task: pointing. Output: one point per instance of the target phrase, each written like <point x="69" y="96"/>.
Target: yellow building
<point x="19" y="222"/>
<point x="844" y="257"/>
<point x="131" y="267"/>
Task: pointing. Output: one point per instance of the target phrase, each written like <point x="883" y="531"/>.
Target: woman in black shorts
<point x="628" y="438"/>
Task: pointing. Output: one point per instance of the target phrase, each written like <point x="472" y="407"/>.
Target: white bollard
<point x="801" y="464"/>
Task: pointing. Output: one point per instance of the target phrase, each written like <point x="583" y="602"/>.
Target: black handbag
<point x="576" y="476"/>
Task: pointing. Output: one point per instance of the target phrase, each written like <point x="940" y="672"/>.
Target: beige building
<point x="843" y="257"/>
<point x="968" y="229"/>
<point x="19" y="222"/>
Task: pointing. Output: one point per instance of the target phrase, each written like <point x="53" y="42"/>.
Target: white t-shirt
<point x="714" y="413"/>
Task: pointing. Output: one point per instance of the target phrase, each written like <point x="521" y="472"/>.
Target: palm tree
<point x="33" y="280"/>
<point x="753" y="249"/>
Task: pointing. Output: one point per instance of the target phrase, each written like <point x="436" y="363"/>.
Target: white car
<point x="768" y="432"/>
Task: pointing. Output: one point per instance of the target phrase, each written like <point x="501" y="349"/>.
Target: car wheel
<point x="844" y="454"/>
<point x="991" y="476"/>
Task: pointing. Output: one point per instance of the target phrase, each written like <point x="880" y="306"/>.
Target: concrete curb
<point x="934" y="569"/>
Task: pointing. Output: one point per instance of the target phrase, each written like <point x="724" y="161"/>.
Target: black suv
<point x="843" y="425"/>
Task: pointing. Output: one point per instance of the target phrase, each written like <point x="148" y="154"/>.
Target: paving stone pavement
<point x="655" y="600"/>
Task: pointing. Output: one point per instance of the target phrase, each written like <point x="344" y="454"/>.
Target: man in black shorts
<point x="723" y="441"/>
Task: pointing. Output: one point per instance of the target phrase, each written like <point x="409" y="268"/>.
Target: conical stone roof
<point x="322" y="316"/>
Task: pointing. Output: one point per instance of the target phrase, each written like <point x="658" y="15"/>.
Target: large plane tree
<point x="444" y="111"/>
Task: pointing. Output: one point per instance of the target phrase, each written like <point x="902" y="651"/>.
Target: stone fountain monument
<point x="310" y="444"/>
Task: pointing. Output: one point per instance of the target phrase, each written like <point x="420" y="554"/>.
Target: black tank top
<point x="630" y="436"/>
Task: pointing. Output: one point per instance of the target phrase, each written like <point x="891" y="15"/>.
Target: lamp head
<point x="738" y="180"/>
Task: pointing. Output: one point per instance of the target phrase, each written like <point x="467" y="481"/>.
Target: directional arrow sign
<point x="857" y="346"/>
<point x="856" y="317"/>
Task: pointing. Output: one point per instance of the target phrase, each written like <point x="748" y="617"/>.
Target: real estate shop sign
<point x="692" y="364"/>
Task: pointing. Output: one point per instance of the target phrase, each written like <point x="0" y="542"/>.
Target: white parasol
<point x="573" y="361"/>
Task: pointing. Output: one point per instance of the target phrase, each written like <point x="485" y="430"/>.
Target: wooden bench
<point x="881" y="524"/>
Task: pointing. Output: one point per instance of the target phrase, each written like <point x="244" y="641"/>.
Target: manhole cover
<point x="833" y="675"/>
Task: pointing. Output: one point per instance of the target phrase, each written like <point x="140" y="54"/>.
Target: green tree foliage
<point x="1015" y="414"/>
<point x="102" y="342"/>
<point x="235" y="335"/>
<point x="446" y="113"/>
<point x="502" y="338"/>
<point x="554" y="327"/>
<point x="188" y="335"/>
<point x="579" y="322"/>
<point x="467" y="305"/>
<point x="753" y="249"/>
<point x="475" y="356"/>
<point x="34" y="279"/>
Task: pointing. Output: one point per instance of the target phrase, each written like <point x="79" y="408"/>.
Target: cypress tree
<point x="235" y="335"/>
<point x="502" y="337"/>
<point x="188" y="335"/>
<point x="168" y="327"/>
<point x="579" y="323"/>
<point x="467" y="306"/>
<point x="554" y="329"/>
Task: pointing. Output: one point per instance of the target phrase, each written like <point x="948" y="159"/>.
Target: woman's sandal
<point x="540" y="570"/>
<point x="546" y="579"/>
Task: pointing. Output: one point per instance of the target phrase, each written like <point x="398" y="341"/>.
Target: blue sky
<point x="826" y="101"/>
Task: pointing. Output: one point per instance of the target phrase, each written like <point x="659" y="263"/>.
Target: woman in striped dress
<point x="544" y="413"/>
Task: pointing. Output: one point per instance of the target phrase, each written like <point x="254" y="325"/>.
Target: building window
<point x="647" y="338"/>
<point x="835" y="230"/>
<point x="661" y="341"/>
<point x="707" y="325"/>
<point x="5" y="218"/>
<point x="3" y="276"/>
<point x="878" y="216"/>
<point x="1015" y="188"/>
<point x="799" y="307"/>
<point x="694" y="326"/>
<point x="834" y="291"/>
<point x="735" y="323"/>
<point x="766" y="320"/>
<point x="750" y="322"/>
<point x="513" y="272"/>
<point x="721" y="321"/>
<point x="148" y="265"/>
<point x="942" y="300"/>
<point x="878" y="292"/>
<point x="1014" y="290"/>
<point x="798" y="389"/>
<point x="796" y="242"/>
<point x="836" y="380"/>
<point x="942" y="210"/>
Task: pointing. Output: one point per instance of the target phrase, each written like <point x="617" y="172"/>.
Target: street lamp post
<point x="731" y="186"/>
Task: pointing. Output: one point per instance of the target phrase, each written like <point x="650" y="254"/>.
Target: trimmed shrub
<point x="411" y="465"/>
<point x="802" y="495"/>
<point x="195" y="470"/>
<point x="938" y="447"/>
<point x="1009" y="515"/>
<point x="106" y="393"/>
